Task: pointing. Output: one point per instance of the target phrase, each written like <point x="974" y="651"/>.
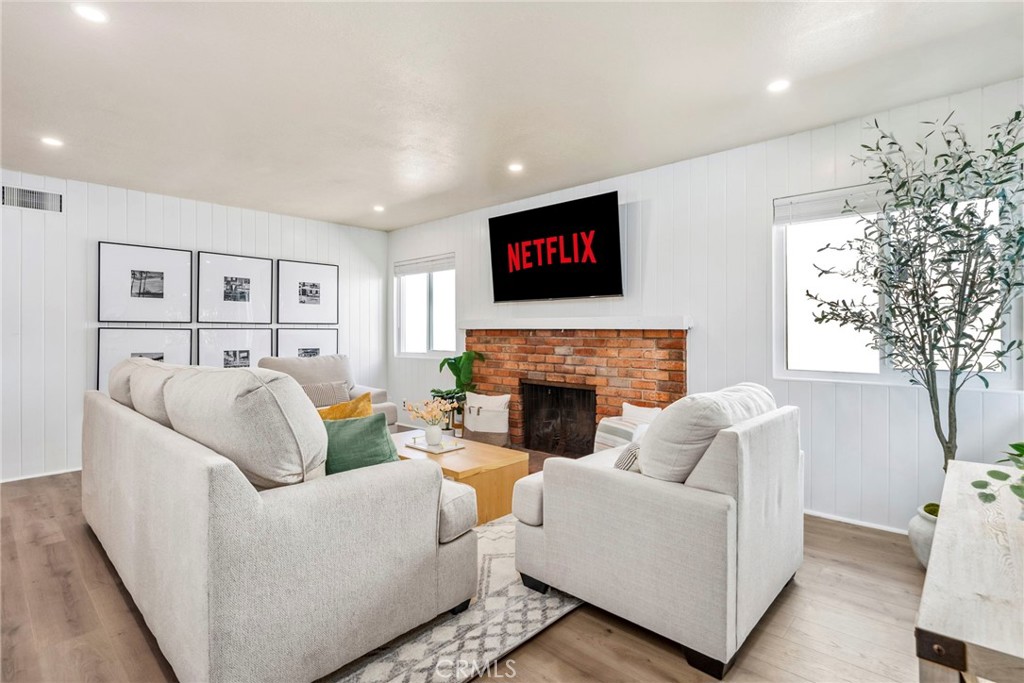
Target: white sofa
<point x="697" y="561"/>
<point x="243" y="583"/>
<point x="329" y="369"/>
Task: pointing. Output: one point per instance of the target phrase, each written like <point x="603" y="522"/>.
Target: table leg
<point x="930" y="672"/>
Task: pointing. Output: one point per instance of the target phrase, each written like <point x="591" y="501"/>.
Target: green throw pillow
<point x="358" y="442"/>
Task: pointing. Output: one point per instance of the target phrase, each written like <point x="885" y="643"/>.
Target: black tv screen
<point x="563" y="251"/>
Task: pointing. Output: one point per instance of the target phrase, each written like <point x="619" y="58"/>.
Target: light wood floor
<point x="848" y="616"/>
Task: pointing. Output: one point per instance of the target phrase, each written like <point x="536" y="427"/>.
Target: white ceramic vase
<point x="921" y="531"/>
<point x="433" y="433"/>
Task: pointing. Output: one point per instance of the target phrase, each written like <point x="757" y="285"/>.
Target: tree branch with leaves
<point x="942" y="256"/>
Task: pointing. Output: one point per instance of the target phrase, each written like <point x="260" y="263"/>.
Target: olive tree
<point x="942" y="257"/>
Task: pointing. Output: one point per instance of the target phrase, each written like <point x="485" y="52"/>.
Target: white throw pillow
<point x="488" y="402"/>
<point x="679" y="437"/>
<point x="639" y="414"/>
<point x="260" y="420"/>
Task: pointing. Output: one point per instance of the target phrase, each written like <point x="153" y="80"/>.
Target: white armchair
<point x="333" y="368"/>
<point x="698" y="562"/>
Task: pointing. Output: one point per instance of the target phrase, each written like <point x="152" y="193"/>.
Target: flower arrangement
<point x="433" y="412"/>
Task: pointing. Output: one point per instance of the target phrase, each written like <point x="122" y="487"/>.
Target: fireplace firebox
<point x="559" y="418"/>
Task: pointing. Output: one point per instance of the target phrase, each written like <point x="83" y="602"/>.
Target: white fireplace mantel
<point x="589" y="323"/>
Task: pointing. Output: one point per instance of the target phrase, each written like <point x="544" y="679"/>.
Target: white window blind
<point x="429" y="264"/>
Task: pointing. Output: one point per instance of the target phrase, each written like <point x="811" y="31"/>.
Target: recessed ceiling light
<point x="90" y="13"/>
<point x="515" y="168"/>
<point x="780" y="85"/>
<point x="52" y="142"/>
<point x="378" y="208"/>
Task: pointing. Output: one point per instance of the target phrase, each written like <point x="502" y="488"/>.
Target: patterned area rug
<point x="504" y="615"/>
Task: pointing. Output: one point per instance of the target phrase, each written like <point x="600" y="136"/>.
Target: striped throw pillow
<point x="327" y="393"/>
<point x="627" y="459"/>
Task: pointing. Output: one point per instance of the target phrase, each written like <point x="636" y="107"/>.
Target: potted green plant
<point x="461" y="367"/>
<point x="942" y="257"/>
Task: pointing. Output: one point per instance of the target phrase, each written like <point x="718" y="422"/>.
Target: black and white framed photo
<point x="233" y="347"/>
<point x="235" y="289"/>
<point x="295" y="343"/>
<point x="144" y="284"/>
<point x="173" y="346"/>
<point x="307" y="293"/>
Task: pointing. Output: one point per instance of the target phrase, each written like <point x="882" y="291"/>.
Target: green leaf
<point x="998" y="475"/>
<point x="986" y="497"/>
<point x="980" y="484"/>
<point x="1018" y="447"/>
<point x="1018" y="490"/>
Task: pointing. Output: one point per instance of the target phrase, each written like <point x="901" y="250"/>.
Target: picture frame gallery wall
<point x="143" y="285"/>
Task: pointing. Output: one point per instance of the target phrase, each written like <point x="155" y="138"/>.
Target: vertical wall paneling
<point x="54" y="311"/>
<point x="697" y="243"/>
<point x="49" y="297"/>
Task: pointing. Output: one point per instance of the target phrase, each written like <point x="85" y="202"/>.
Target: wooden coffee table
<point x="491" y="470"/>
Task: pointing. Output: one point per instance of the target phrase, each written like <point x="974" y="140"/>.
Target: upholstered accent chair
<point x="336" y="370"/>
<point x="696" y="551"/>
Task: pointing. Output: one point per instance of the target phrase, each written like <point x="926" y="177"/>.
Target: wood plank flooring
<point x="847" y="617"/>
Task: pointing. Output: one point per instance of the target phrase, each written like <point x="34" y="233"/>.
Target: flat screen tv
<point x="564" y="251"/>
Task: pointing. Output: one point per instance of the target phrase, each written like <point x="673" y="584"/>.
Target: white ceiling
<point x="323" y="110"/>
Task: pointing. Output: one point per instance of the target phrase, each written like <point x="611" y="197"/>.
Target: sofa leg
<point x="534" y="584"/>
<point x="460" y="608"/>
<point x="701" y="662"/>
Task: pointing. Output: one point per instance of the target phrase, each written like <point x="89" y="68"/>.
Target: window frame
<point x="823" y="206"/>
<point x="428" y="266"/>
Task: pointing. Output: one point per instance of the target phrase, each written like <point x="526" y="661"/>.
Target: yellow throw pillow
<point x="357" y="407"/>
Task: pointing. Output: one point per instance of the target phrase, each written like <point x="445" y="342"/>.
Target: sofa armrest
<point x="376" y="395"/>
<point x="654" y="552"/>
<point x="343" y="543"/>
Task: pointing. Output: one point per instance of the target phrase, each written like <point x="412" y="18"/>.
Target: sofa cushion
<point x="388" y="409"/>
<point x="259" y="419"/>
<point x="147" y="384"/>
<point x="678" y="437"/>
<point x="458" y="510"/>
<point x="316" y="370"/>
<point x="327" y="393"/>
<point x="357" y="407"/>
<point x="119" y="379"/>
<point x="358" y="442"/>
<point x="639" y="413"/>
<point x="528" y="499"/>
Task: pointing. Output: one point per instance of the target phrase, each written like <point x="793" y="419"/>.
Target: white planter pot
<point x="921" y="531"/>
<point x="433" y="433"/>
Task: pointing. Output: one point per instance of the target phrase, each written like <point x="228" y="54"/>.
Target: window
<point x="803" y="225"/>
<point x="802" y="348"/>
<point x="425" y="305"/>
<point x="823" y="347"/>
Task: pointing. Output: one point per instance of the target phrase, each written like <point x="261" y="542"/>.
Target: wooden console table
<point x="491" y="470"/>
<point x="971" y="619"/>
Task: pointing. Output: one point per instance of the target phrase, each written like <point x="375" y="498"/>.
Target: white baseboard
<point x="41" y="474"/>
<point x="855" y="522"/>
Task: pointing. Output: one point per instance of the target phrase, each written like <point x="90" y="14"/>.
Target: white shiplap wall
<point x="49" y="280"/>
<point x="698" y="237"/>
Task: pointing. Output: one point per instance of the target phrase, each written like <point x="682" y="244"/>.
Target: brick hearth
<point x="643" y="367"/>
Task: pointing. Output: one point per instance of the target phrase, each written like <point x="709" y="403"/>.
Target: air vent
<point x="33" y="199"/>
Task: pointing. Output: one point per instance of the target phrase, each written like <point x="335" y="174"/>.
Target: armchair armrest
<point x="654" y="552"/>
<point x="376" y="395"/>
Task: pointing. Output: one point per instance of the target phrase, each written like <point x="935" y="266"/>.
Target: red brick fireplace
<point x="642" y="367"/>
